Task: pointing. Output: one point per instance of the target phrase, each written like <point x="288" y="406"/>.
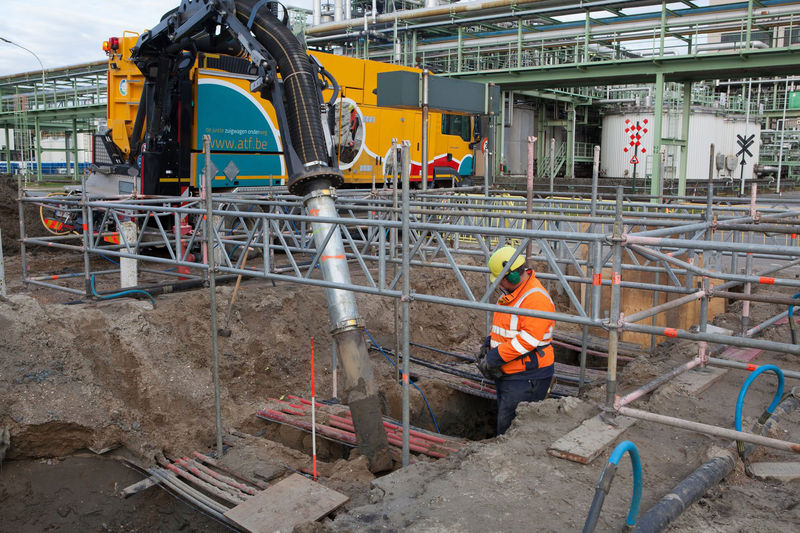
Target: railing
<point x="689" y="32"/>
<point x="543" y="166"/>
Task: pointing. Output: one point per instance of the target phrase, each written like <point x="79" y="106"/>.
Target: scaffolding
<point x="593" y="250"/>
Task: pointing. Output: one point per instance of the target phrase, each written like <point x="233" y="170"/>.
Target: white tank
<point x="620" y="129"/>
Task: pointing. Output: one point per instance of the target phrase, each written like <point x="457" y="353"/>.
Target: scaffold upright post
<point x="22" y="251"/>
<point x="212" y="285"/>
<point x="595" y="177"/>
<point x="425" y="118"/>
<point x="405" y="326"/>
<point x="529" y="199"/>
<point x="2" y="268"/>
<point x="87" y="233"/>
<point x="614" y="315"/>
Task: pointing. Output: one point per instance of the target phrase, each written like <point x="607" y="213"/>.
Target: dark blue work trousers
<point x="512" y="391"/>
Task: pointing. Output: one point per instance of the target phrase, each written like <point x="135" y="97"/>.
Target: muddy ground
<point x="103" y="381"/>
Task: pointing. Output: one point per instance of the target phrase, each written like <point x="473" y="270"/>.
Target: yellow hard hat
<point x="500" y="257"/>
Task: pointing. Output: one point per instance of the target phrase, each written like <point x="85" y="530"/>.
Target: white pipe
<point x="447" y="10"/>
<point x="761" y="80"/>
<point x="317" y="17"/>
<point x="337" y="11"/>
<point x="560" y="34"/>
<point x="128" y="268"/>
<point x="705" y="47"/>
<point x="469" y="7"/>
<point x="783" y="132"/>
<point x="348" y="9"/>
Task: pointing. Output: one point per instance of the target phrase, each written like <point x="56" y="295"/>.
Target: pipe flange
<point x="297" y="184"/>
<point x="347" y="325"/>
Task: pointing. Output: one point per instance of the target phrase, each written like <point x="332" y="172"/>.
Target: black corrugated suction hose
<point x="302" y="101"/>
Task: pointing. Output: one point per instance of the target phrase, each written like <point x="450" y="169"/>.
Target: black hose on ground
<point x="693" y="487"/>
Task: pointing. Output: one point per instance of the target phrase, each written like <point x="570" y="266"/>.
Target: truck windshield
<point x="456" y="125"/>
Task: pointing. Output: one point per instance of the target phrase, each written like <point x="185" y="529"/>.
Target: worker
<point x="518" y="354"/>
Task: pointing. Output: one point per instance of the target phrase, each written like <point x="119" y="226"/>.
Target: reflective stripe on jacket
<point x="515" y="335"/>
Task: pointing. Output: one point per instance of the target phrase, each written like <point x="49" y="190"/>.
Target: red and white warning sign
<point x="634" y="131"/>
<point x="634" y="160"/>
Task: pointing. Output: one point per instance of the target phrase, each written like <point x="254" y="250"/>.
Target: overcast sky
<point x="66" y="33"/>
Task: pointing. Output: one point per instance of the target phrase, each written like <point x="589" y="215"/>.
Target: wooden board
<point x="584" y="443"/>
<point x="292" y="501"/>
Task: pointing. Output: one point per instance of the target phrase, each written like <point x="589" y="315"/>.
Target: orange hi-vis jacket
<point x="515" y="335"/>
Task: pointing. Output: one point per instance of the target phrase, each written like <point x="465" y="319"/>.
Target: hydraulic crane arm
<point x="165" y="53"/>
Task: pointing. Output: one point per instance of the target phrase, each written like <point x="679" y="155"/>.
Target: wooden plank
<point x="292" y="501"/>
<point x="139" y="486"/>
<point x="584" y="443"/>
<point x="600" y="344"/>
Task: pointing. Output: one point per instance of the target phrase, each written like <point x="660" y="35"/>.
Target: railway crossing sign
<point x="744" y="147"/>
<point x="635" y="132"/>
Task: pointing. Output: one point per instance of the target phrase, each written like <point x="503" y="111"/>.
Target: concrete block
<point x="584" y="443"/>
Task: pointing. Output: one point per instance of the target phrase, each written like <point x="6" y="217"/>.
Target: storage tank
<point x="623" y="129"/>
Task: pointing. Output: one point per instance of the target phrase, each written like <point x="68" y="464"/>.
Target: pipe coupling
<point x="347" y="325"/>
<point x="320" y="193"/>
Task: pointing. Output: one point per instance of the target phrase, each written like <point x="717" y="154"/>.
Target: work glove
<point x="489" y="372"/>
<point x="487" y="345"/>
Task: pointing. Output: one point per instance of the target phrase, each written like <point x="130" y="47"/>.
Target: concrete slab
<point x="292" y="501"/>
<point x="584" y="443"/>
<point x="697" y="380"/>
<point x="784" y="472"/>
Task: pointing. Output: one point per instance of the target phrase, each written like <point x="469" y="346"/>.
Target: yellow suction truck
<point x="210" y="94"/>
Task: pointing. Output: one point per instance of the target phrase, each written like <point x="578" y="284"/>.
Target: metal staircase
<point x="543" y="169"/>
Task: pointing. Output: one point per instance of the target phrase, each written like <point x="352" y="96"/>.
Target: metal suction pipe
<point x="361" y="391"/>
<point x="315" y="184"/>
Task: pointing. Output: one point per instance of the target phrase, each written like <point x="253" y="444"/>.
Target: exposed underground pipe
<point x="696" y="484"/>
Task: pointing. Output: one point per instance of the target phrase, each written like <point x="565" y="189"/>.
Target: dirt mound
<point x="9" y="216"/>
<point x="122" y="373"/>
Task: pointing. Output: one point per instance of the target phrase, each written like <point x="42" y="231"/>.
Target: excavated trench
<point x="80" y="493"/>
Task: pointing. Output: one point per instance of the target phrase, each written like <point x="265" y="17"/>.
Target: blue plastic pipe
<point x="604" y="484"/>
<point x="121" y="294"/>
<point x="743" y="392"/>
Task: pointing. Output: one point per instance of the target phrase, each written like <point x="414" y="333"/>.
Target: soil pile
<point x="9" y="216"/>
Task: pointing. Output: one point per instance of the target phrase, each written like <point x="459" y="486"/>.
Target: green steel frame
<point x="563" y="50"/>
<point x="68" y="101"/>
